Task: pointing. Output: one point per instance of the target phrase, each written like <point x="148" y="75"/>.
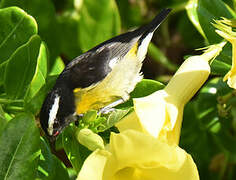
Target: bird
<point x="99" y="79"/>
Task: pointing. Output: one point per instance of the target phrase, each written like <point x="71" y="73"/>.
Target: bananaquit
<point x="99" y="79"/>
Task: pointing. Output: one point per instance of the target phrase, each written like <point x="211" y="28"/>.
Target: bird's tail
<point x="147" y="32"/>
<point x="153" y="25"/>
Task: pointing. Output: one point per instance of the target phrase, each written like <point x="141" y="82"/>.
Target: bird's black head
<point x="57" y="110"/>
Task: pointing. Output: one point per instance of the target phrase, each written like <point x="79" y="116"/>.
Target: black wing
<point x="93" y="66"/>
<point x="89" y="69"/>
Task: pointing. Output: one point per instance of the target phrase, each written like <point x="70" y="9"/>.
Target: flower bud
<point x="90" y="139"/>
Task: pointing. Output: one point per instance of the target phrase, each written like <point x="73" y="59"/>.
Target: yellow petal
<point x="225" y="30"/>
<point x="130" y="121"/>
<point x="151" y="111"/>
<point x="231" y="77"/>
<point x="168" y="133"/>
<point x="188" y="79"/>
<point x="137" y="156"/>
<point x="93" y="167"/>
<point x="226" y="36"/>
<point x="159" y="112"/>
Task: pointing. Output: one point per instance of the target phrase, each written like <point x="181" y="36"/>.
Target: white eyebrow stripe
<point x="53" y="114"/>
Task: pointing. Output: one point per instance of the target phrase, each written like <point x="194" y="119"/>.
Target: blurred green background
<point x="35" y="45"/>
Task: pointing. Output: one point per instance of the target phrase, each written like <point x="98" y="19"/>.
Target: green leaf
<point x="69" y="26"/>
<point x="207" y="101"/>
<point x="219" y="67"/>
<point x="158" y="56"/>
<point x="226" y="141"/>
<point x="143" y="88"/>
<point x="57" y="67"/>
<point x="2" y="71"/>
<point x="207" y="14"/>
<point x="40" y="75"/>
<point x="99" y="21"/>
<point x="21" y="68"/>
<point x="90" y="116"/>
<point x="16" y="29"/>
<point x="50" y="167"/>
<point x="113" y="118"/>
<point x="146" y="87"/>
<point x="193" y="15"/>
<point x="185" y="24"/>
<point x="90" y="24"/>
<point x="36" y="102"/>
<point x="45" y="15"/>
<point x="202" y="15"/>
<point x="3" y="120"/>
<point x="131" y="13"/>
<point x="19" y="147"/>
<point x="222" y="64"/>
<point x="196" y="140"/>
<point x="76" y="153"/>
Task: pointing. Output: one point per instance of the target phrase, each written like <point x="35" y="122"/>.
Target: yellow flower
<point x="134" y="155"/>
<point x="160" y="114"/>
<point x="147" y="146"/>
<point x="224" y="27"/>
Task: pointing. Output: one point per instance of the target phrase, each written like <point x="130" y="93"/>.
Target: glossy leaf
<point x="113" y="118"/>
<point x="90" y="116"/>
<point x="207" y="101"/>
<point x="16" y="29"/>
<point x="76" y="153"/>
<point x="207" y="14"/>
<point x="2" y="71"/>
<point x="34" y="104"/>
<point x="143" y="88"/>
<point x="19" y="149"/>
<point x="3" y="120"/>
<point x="50" y="167"/>
<point x="219" y="67"/>
<point x="130" y="13"/>
<point x="57" y="67"/>
<point x="40" y="75"/>
<point x="99" y="21"/>
<point x="191" y="8"/>
<point x="202" y="120"/>
<point x="45" y="15"/>
<point x="203" y="15"/>
<point x="222" y="64"/>
<point x="184" y="24"/>
<point x="68" y="22"/>
<point x="21" y="68"/>
<point x="158" y="56"/>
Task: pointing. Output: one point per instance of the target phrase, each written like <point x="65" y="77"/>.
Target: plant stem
<point x="8" y="101"/>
